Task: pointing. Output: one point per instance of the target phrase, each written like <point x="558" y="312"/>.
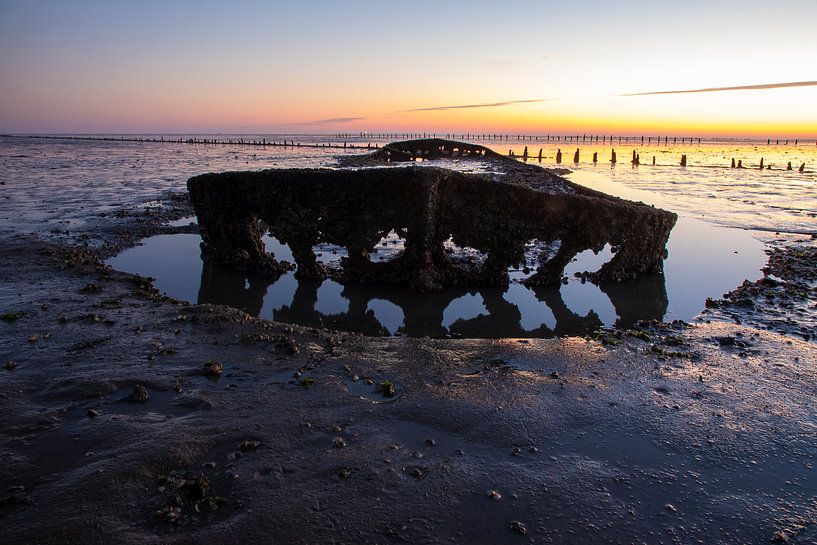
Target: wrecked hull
<point x="496" y="215"/>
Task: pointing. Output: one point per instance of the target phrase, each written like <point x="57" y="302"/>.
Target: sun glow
<point x="324" y="67"/>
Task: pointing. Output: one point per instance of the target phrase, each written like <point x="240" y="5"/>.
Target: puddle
<point x="704" y="260"/>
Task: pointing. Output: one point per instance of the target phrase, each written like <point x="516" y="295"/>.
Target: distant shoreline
<point x="257" y="138"/>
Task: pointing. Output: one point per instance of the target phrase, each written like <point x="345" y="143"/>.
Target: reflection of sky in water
<point x="534" y="313"/>
<point x="281" y="251"/>
<point x="464" y="308"/>
<point x="279" y="295"/>
<point x="704" y="261"/>
<point x="589" y="261"/>
<point x="707" y="258"/>
<point x="330" y="301"/>
<point x="391" y="316"/>
<point x="173" y="260"/>
<point x="582" y="298"/>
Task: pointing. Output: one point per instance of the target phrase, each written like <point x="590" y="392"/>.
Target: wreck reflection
<point x="372" y="309"/>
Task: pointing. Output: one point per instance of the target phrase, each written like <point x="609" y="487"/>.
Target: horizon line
<point x="409" y="134"/>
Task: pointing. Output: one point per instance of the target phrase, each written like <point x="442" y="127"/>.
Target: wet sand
<point x="664" y="434"/>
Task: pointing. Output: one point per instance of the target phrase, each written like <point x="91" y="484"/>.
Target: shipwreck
<point x="495" y="211"/>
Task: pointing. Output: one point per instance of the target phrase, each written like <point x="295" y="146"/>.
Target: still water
<point x="66" y="188"/>
<point x="704" y="260"/>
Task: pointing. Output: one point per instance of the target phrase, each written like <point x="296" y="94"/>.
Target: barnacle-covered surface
<point x="495" y="213"/>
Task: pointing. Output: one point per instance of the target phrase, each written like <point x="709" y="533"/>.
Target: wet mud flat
<point x="128" y="417"/>
<point x="783" y="300"/>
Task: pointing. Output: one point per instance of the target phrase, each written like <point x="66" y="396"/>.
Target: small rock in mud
<point x="92" y="413"/>
<point x="288" y="343"/>
<point x="188" y="492"/>
<point x="339" y="442"/>
<point x="494" y="495"/>
<point x="249" y="445"/>
<point x="780" y="537"/>
<point x="11" y="365"/>
<point x="518" y="527"/>
<point x="139" y="394"/>
<point x="169" y="514"/>
<point x="91" y="288"/>
<point x="212" y="368"/>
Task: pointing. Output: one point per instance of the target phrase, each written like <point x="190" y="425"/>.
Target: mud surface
<point x="663" y="434"/>
<point x="127" y="417"/>
<point x="783" y="300"/>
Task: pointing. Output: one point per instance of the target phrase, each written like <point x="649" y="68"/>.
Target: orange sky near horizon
<point x="322" y="67"/>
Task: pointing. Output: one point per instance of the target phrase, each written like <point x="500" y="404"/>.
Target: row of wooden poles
<point x="263" y="142"/>
<point x="208" y="141"/>
<point x="637" y="159"/>
<point x="369" y="146"/>
<point x="545" y="138"/>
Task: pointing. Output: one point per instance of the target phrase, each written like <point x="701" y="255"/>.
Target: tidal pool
<point x="704" y="260"/>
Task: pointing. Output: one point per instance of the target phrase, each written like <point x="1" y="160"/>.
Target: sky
<point x="536" y="67"/>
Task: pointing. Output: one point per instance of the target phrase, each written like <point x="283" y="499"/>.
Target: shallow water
<point x="64" y="188"/>
<point x="703" y="261"/>
<point x="57" y="184"/>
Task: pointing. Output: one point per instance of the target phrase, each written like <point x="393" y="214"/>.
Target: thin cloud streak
<point x="483" y="105"/>
<point x="719" y="89"/>
<point x="332" y="120"/>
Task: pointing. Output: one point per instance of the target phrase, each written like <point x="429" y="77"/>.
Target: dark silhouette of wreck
<point x="495" y="212"/>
